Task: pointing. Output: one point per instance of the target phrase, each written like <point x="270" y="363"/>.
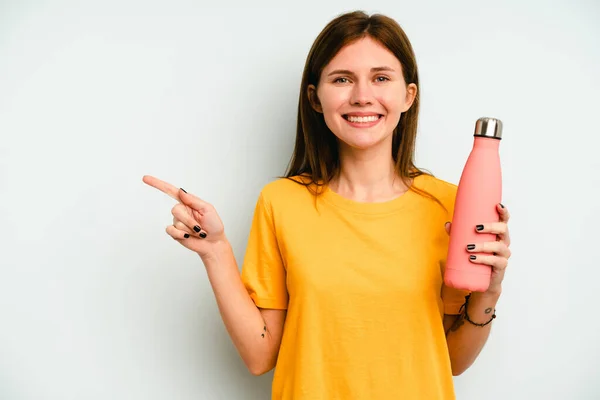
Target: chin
<point x="363" y="143"/>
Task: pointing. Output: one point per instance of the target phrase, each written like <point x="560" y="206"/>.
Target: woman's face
<point x="362" y="93"/>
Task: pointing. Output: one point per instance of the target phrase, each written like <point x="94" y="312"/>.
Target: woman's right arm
<point x="255" y="332"/>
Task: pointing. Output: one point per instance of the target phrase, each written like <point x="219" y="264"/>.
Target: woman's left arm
<point x="467" y="333"/>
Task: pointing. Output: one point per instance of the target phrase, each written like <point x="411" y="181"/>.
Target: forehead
<point x="363" y="54"/>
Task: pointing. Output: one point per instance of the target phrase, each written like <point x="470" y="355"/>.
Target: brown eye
<point x="339" y="80"/>
<point x="382" y="79"/>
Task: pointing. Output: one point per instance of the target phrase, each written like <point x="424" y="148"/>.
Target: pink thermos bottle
<point x="479" y="191"/>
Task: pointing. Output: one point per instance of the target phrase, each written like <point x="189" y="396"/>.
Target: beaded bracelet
<point x="467" y="315"/>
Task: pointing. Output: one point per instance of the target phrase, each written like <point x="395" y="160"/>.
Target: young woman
<point x="341" y="287"/>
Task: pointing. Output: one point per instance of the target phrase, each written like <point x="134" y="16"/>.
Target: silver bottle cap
<point x="488" y="127"/>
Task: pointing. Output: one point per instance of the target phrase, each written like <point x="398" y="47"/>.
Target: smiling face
<point x="362" y="94"/>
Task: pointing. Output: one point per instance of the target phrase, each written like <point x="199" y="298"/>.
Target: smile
<point x="363" y="121"/>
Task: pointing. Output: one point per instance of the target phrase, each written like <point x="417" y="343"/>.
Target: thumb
<point x="448" y="226"/>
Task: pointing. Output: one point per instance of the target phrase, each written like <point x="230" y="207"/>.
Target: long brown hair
<point x="316" y="154"/>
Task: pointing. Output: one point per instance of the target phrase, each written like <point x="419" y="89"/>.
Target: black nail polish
<point x="470" y="247"/>
<point x="501" y="205"/>
<point x="203" y="235"/>
<point x="197" y="228"/>
<point x="479" y="227"/>
<point x="183" y="190"/>
<point x="473" y="257"/>
<point x="187" y="235"/>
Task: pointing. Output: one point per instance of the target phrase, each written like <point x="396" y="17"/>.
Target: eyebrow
<point x="348" y="72"/>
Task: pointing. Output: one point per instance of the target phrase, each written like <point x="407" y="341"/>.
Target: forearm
<point x="465" y="340"/>
<point x="242" y="319"/>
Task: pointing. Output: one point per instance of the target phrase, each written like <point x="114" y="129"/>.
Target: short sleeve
<point x="453" y="299"/>
<point x="263" y="271"/>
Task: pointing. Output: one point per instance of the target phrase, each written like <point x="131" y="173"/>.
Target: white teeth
<point x="370" y="118"/>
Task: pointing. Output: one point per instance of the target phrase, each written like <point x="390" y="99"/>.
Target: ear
<point x="314" y="99"/>
<point x="411" y="95"/>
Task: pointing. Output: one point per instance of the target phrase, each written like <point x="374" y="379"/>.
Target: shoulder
<point x="286" y="191"/>
<point x="442" y="190"/>
<point x="435" y="185"/>
<point x="284" y="187"/>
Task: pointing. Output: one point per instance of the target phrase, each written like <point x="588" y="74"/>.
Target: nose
<point x="362" y="94"/>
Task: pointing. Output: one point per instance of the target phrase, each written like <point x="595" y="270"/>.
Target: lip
<point x="361" y="114"/>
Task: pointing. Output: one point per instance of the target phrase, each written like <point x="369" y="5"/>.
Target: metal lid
<point x="488" y="127"/>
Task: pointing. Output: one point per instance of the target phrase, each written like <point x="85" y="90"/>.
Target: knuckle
<point x="493" y="247"/>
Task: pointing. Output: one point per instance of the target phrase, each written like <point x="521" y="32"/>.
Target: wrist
<point x="490" y="295"/>
<point x="216" y="247"/>
<point x="480" y="307"/>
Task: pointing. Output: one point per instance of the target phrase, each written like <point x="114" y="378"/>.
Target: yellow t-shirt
<point x="363" y="287"/>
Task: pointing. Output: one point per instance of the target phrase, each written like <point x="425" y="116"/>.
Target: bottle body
<point x="479" y="191"/>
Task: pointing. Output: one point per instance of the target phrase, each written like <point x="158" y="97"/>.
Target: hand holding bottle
<point x="496" y="253"/>
<point x="196" y="224"/>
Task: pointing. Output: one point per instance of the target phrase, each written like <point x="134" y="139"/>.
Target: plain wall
<point x="98" y="302"/>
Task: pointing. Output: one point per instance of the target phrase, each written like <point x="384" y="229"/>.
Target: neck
<point x="367" y="176"/>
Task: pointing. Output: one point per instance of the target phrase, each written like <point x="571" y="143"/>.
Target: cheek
<point x="392" y="102"/>
<point x="393" y="107"/>
<point x="332" y="105"/>
<point x="332" y="101"/>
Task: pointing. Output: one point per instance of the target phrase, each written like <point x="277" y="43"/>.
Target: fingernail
<point x="479" y="227"/>
<point x="197" y="228"/>
<point x="183" y="190"/>
<point x="501" y="205"/>
<point x="187" y="235"/>
<point x="472" y="257"/>
<point x="203" y="235"/>
<point x="470" y="247"/>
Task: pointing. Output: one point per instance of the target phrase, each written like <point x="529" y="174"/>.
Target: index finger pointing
<point x="163" y="186"/>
